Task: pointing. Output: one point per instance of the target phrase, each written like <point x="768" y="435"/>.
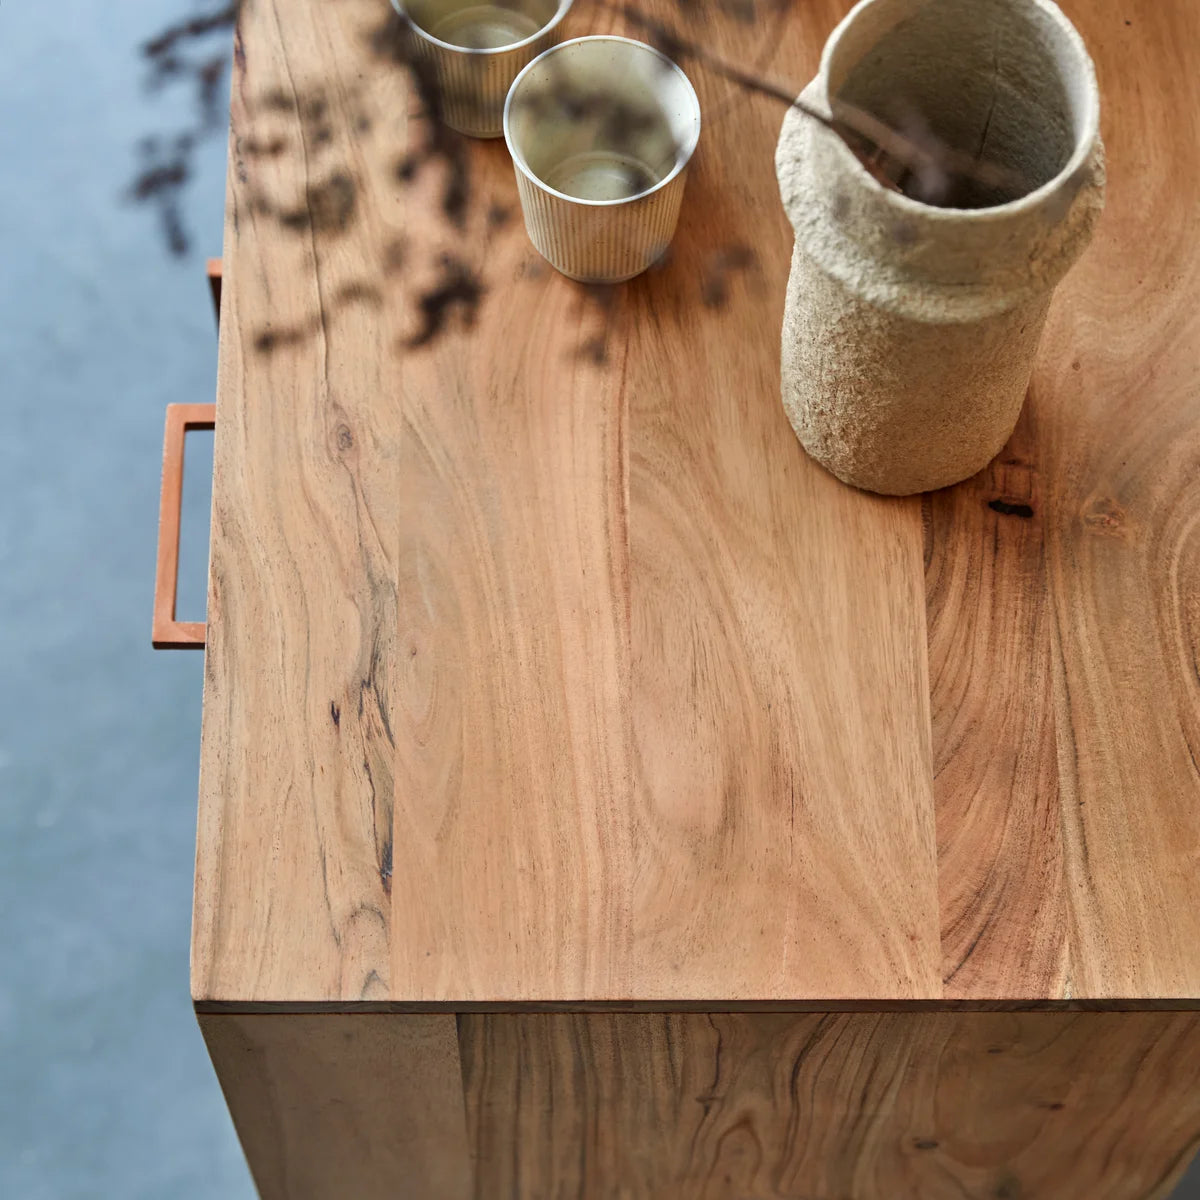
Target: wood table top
<point x="545" y="668"/>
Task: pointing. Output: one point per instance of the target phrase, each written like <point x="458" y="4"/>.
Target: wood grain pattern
<point x="544" y="667"/>
<point x="692" y="715"/>
<point x="294" y="852"/>
<point x="1063" y="628"/>
<point x="778" y="682"/>
<point x="345" y="1106"/>
<point x="1000" y="859"/>
<point x="1123" y="448"/>
<point x="937" y="1106"/>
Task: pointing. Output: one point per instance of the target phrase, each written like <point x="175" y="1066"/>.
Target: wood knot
<point x="1008" y="1187"/>
<point x="1105" y="516"/>
<point x="345" y="439"/>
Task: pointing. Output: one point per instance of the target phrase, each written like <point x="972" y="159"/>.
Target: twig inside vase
<point x="915" y="163"/>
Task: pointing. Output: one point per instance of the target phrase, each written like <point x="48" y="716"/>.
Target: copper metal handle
<point x="168" y="633"/>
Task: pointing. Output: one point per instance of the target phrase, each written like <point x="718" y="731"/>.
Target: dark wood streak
<point x="1009" y="509"/>
<point x="661" y="1105"/>
<point x="990" y="630"/>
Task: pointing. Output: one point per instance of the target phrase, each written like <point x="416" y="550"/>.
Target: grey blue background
<point x="105" y="1087"/>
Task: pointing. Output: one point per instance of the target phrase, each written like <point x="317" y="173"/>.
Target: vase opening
<point x="962" y="103"/>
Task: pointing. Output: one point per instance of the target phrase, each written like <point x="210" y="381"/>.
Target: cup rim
<point x="681" y="160"/>
<point x="563" y="7"/>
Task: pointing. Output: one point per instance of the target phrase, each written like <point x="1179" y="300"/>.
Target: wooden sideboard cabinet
<point x="600" y="801"/>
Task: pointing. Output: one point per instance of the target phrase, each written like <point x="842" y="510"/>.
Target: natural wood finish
<point x="1064" y="632"/>
<point x="327" y="1107"/>
<point x="1000" y="860"/>
<point x="166" y="632"/>
<point x="1120" y="401"/>
<point x="294" y="852"/>
<point x="936" y="1106"/>
<point x="692" y="714"/>
<point x="594" y="570"/>
<point x="544" y="669"/>
<point x="538" y="679"/>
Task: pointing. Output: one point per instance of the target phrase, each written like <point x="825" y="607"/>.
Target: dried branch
<point x="893" y="157"/>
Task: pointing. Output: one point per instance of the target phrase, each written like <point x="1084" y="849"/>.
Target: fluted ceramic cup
<point x="474" y="51"/>
<point x="601" y="130"/>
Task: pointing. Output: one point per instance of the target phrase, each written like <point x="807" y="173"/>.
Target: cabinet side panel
<point x="333" y="1106"/>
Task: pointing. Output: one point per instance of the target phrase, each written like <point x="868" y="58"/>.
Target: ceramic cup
<point x="601" y="130"/>
<point x="474" y="51"/>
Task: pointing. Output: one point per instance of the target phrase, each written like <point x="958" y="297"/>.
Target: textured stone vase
<point x="910" y="330"/>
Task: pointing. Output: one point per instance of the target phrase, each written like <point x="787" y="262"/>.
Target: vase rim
<point x="1085" y="138"/>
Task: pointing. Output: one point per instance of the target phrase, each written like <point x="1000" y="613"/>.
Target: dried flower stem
<point x="887" y="153"/>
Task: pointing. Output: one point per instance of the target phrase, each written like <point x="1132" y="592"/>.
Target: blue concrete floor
<point x="107" y="1091"/>
<point x="106" y="1087"/>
